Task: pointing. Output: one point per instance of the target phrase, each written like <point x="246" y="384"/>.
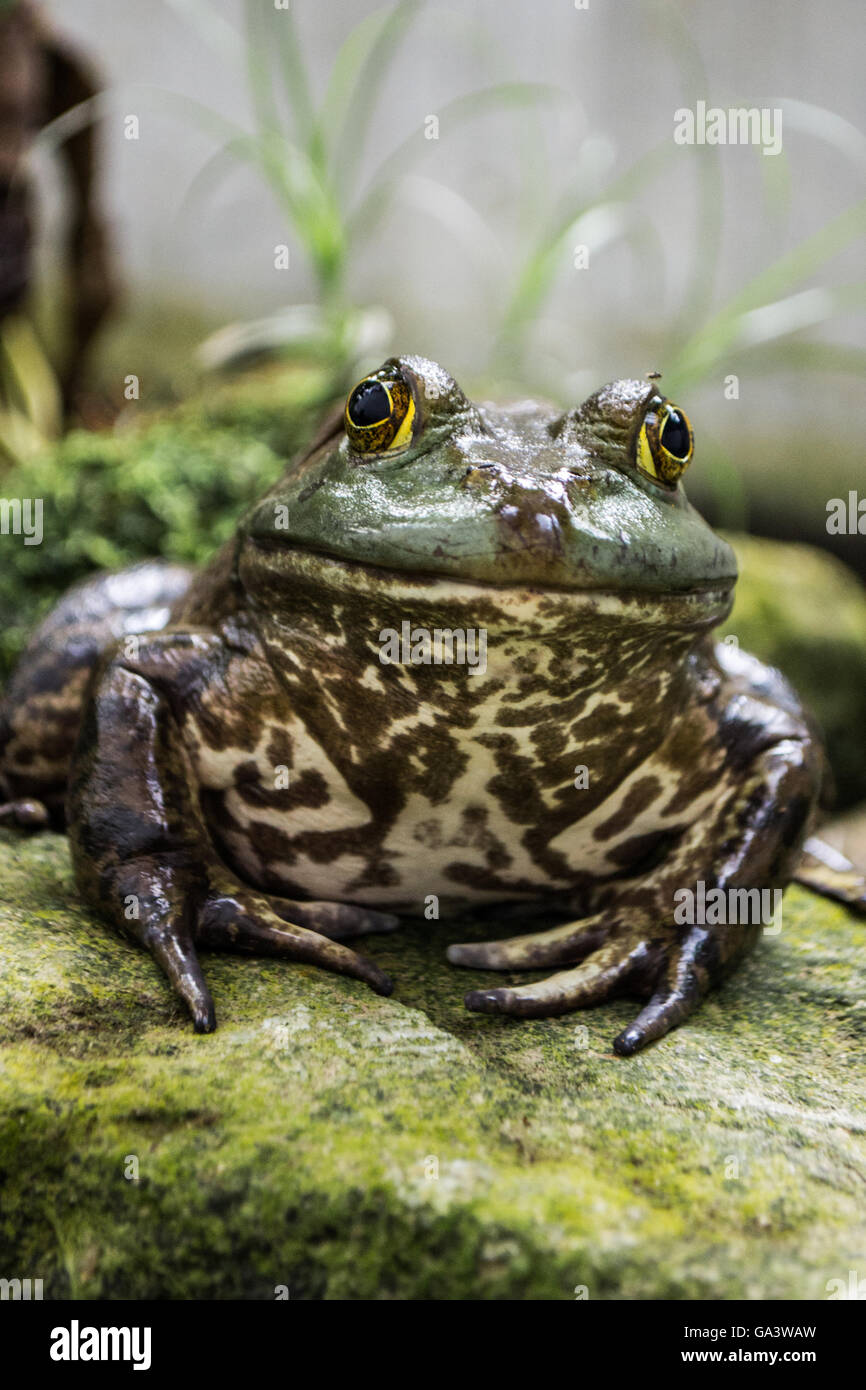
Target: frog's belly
<point x="467" y="850"/>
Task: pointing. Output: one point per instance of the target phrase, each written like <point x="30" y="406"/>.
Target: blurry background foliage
<point x="309" y="126"/>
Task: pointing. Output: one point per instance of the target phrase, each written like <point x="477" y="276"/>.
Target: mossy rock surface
<point x="347" y="1146"/>
<point x="170" y="483"/>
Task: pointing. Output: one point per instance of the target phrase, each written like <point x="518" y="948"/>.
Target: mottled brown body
<point x="471" y="775"/>
<point x="249" y="773"/>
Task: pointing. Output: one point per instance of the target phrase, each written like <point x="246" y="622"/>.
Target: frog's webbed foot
<point x="177" y="913"/>
<point x="561" y="945"/>
<point x="172" y="948"/>
<point x="685" y="983"/>
<point x="826" y="871"/>
<point x="601" y="976"/>
<point x="615" y="958"/>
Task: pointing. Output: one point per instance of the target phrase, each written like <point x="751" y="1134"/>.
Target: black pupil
<point x="369" y="404"/>
<point x="675" y="435"/>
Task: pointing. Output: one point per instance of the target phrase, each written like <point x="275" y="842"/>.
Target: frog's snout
<point x="527" y="516"/>
<point x="482" y="473"/>
<point x="528" y="528"/>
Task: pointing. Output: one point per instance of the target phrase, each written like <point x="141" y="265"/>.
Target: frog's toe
<point x="338" y="921"/>
<point x="242" y="922"/>
<point x="603" y="974"/>
<point x="26" y="815"/>
<point x="174" y="951"/>
<point x="667" y="1008"/>
<point x="561" y="945"/>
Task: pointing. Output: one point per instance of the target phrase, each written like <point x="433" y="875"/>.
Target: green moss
<point x="293" y="1146"/>
<point x="172" y="484"/>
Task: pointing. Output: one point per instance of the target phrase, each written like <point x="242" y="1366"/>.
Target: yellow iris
<point x="666" y="443"/>
<point x="379" y="415"/>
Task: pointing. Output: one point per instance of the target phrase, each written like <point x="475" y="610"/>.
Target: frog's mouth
<point x="268" y="568"/>
<point x="552" y="535"/>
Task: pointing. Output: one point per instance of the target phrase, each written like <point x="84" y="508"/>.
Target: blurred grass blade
<point x="257" y="56"/>
<point x="345" y="68"/>
<point x="806" y="118"/>
<point x="304" y="200"/>
<point x="541" y="267"/>
<point x="296" y="84"/>
<point x="357" y="79"/>
<point x="829" y="126"/>
<point x="798" y="311"/>
<point x="31" y="410"/>
<point x="298" y="184"/>
<point x="456" y="214"/>
<point x="777" y="180"/>
<point x="706" y="242"/>
<point x="212" y="122"/>
<point x="210" y="175"/>
<point x="380" y="189"/>
<point x="213" y="27"/>
<point x="806" y="356"/>
<point x="701" y="352"/>
<point x="19" y="437"/>
<point x="32" y="375"/>
<point x="308" y="204"/>
<point x="287" y="168"/>
<point x="51" y="136"/>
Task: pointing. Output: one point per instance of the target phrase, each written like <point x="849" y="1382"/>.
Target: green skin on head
<point x="255" y="775"/>
<point x="504" y="496"/>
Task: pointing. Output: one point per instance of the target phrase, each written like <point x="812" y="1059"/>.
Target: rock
<point x="802" y="610"/>
<point x="340" y="1145"/>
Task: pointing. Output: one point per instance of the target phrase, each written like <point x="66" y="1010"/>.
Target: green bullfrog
<point x="459" y="658"/>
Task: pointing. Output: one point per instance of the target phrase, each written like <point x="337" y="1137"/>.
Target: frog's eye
<point x="665" y="444"/>
<point x="379" y="415"/>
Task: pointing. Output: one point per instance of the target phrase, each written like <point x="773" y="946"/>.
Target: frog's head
<point x="418" y="479"/>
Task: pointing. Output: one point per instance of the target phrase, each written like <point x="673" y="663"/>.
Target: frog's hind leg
<point x="823" y="869"/>
<point x="141" y="849"/>
<point x="639" y="945"/>
<point x="41" y="710"/>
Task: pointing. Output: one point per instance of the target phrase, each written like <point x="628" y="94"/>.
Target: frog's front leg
<point x="141" y="850"/>
<point x="769" y="787"/>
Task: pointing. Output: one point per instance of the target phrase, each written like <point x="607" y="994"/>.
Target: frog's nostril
<point x="530" y="529"/>
<point x="480" y="472"/>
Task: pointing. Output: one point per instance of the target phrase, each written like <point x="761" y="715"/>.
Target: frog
<point x="460" y="658"/>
